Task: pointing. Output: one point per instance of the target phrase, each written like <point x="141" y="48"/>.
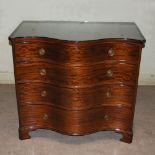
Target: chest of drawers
<point x="76" y="78"/>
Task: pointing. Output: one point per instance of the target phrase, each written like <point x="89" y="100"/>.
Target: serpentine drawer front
<point x="76" y="78"/>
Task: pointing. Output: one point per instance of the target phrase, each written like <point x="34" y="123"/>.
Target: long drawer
<point x="76" y="54"/>
<point x="76" y="122"/>
<point x="105" y="73"/>
<point x="75" y="98"/>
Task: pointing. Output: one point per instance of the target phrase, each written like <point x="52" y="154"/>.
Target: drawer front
<point x="76" y="54"/>
<point x="76" y="122"/>
<point x="105" y="73"/>
<point x="75" y="98"/>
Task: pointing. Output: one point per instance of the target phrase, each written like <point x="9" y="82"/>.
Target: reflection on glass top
<point x="78" y="31"/>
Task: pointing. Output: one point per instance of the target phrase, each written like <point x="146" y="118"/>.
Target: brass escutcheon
<point x="42" y="51"/>
<point x="111" y="52"/>
<point x="43" y="72"/>
<point x="108" y="94"/>
<point x="109" y="73"/>
<point x="43" y="93"/>
<point x="45" y="116"/>
<point x="106" y="117"/>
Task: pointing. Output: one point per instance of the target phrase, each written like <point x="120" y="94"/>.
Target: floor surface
<point x="44" y="142"/>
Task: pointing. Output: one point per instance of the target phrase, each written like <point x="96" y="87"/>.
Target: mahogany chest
<point x="76" y="78"/>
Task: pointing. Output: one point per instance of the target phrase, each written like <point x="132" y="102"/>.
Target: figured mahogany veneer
<point x="105" y="73"/>
<point x="76" y="98"/>
<point x="75" y="122"/>
<point x="76" y="78"/>
<point x="76" y="55"/>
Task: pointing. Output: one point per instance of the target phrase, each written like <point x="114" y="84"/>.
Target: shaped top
<point x="78" y="31"/>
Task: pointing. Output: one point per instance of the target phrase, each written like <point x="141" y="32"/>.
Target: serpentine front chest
<point x="76" y="78"/>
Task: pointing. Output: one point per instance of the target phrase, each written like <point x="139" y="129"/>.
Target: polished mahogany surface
<point x="76" y="78"/>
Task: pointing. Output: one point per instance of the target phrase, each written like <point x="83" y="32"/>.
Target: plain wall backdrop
<point x="142" y="12"/>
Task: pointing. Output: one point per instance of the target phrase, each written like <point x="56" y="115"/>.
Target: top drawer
<point x="76" y="54"/>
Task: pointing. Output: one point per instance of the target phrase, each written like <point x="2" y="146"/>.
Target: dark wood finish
<point x="76" y="98"/>
<point x="76" y="122"/>
<point x="77" y="76"/>
<point x="76" y="54"/>
<point x="78" y="31"/>
<point x="77" y="82"/>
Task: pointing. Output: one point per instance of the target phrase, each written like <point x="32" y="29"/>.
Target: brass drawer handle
<point x="42" y="51"/>
<point x="108" y="94"/>
<point x="43" y="72"/>
<point x="109" y="73"/>
<point x="106" y="117"/>
<point x="43" y="93"/>
<point x="111" y="52"/>
<point x="45" y="117"/>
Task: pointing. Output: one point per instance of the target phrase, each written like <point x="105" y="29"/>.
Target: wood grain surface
<point x="76" y="88"/>
<point x="73" y="122"/>
<point x="77" y="76"/>
<point x="76" y="98"/>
